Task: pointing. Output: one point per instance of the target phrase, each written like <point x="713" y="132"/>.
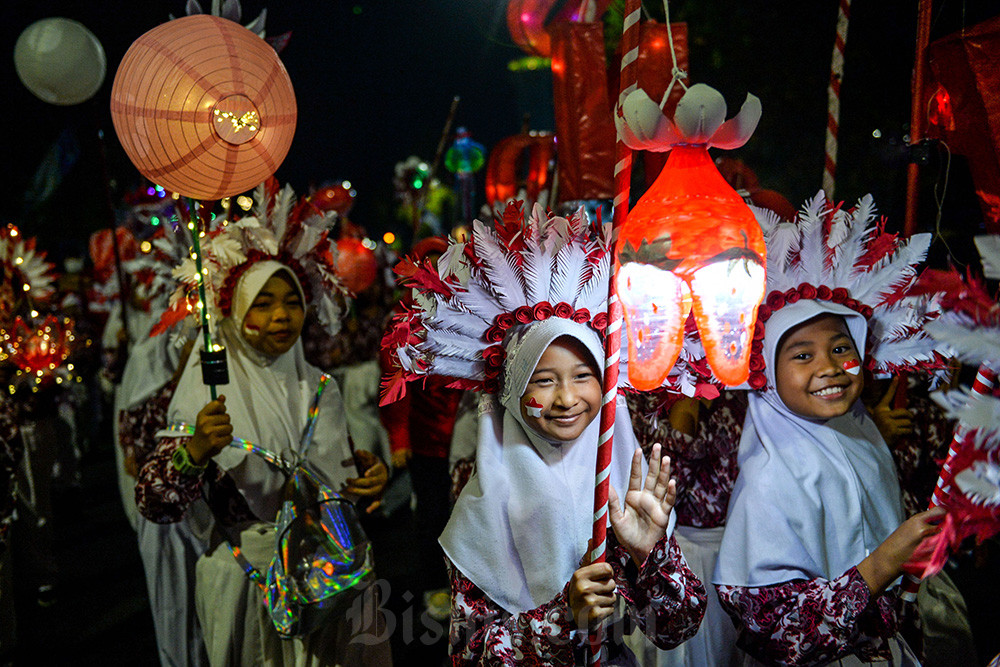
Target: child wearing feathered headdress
<point x="519" y="312"/>
<point x="263" y="271"/>
<point x="815" y="535"/>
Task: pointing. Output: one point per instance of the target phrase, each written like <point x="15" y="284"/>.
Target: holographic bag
<point x="322" y="559"/>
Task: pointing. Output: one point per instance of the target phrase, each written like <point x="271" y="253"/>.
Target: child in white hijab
<point x="518" y="311"/>
<point x="266" y="402"/>
<point x="522" y="591"/>
<point x="815" y="536"/>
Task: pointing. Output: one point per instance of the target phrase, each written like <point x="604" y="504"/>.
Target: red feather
<point x="176" y="313"/>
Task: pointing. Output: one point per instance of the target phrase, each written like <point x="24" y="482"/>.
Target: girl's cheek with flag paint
<point x="532" y="407"/>
<point x="250" y="330"/>
<point x="852" y="366"/>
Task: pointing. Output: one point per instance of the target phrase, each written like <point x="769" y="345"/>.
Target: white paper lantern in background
<point x="60" y="61"/>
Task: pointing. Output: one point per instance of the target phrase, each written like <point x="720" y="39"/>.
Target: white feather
<point x="505" y="281"/>
<point x="971" y="343"/>
<point x="892" y="272"/>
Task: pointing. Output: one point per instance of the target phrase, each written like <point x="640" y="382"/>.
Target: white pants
<point x="169" y="553"/>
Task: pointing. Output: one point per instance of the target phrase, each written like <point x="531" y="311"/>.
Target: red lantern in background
<point x="966" y="114"/>
<point x="338" y="197"/>
<point x="42" y="349"/>
<point x="939" y="111"/>
<point x="690" y="243"/>
<point x="526" y="21"/>
<point x="505" y="174"/>
<point x="356" y="265"/>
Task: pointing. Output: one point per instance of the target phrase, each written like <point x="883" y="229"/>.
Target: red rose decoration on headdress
<point x="494" y="356"/>
<point x="563" y="310"/>
<point x="505" y="321"/>
<point x="757" y="380"/>
<point x="756" y="362"/>
<point x="494" y="334"/>
<point x="523" y="315"/>
<point x="542" y="311"/>
<point x="581" y="316"/>
<point x="792" y="295"/>
<point x="807" y="291"/>
<point x="600" y="322"/>
<point x="823" y="292"/>
<point x="840" y="295"/>
<point x="775" y="301"/>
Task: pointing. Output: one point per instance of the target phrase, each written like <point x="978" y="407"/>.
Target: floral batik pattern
<point x="812" y="622"/>
<point x="164" y="494"/>
<point x="704" y="465"/>
<point x="664" y="598"/>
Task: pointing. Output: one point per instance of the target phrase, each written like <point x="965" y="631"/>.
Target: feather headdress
<point x="278" y="229"/>
<point x="846" y="257"/>
<point x="516" y="272"/>
<point x="969" y="328"/>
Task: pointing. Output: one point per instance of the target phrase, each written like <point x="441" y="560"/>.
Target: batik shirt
<point x="812" y="622"/>
<point x="163" y="494"/>
<point x="704" y="465"/>
<point x="137" y="427"/>
<point x="664" y="598"/>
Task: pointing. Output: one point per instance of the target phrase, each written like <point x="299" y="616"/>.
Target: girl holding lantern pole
<point x="510" y="312"/>
<point x="815" y="538"/>
<point x="263" y="270"/>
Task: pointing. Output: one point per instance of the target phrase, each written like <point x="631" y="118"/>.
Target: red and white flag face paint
<point x="852" y="366"/>
<point x="533" y="407"/>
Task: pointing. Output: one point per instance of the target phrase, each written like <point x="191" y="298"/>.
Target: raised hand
<point x="893" y="423"/>
<point x="642" y="521"/>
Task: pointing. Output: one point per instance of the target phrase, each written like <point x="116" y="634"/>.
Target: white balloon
<point x="60" y="61"/>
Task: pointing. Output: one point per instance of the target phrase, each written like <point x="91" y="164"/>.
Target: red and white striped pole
<point x="986" y="380"/>
<point x="833" y="97"/>
<point x="612" y="344"/>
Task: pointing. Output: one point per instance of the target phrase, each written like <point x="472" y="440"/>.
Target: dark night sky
<point x="374" y="80"/>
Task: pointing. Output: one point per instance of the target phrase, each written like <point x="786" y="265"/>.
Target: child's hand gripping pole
<point x="214" y="370"/>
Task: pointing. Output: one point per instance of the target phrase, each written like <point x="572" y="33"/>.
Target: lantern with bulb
<point x="691" y="244"/>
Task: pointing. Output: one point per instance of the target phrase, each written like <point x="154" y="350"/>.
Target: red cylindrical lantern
<point x="521" y="161"/>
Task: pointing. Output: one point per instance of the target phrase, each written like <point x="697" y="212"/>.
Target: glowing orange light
<point x="389" y="238"/>
<point x="690" y="245"/>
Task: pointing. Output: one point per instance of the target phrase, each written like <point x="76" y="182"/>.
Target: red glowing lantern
<point x="528" y="22"/>
<point x="504" y="174"/>
<point x="939" y="110"/>
<point x="338" y="197"/>
<point x="356" y="264"/>
<point x="690" y="243"/>
<point x="40" y="350"/>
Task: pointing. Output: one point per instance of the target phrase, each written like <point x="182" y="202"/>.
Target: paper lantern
<point x="505" y="176"/>
<point x="203" y="107"/>
<point x="690" y="244"/>
<point x="60" y="61"/>
<point x="356" y="264"/>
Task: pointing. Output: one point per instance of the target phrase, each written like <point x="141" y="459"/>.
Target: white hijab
<point x="813" y="498"/>
<point x="267" y="399"/>
<point x="521" y="525"/>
